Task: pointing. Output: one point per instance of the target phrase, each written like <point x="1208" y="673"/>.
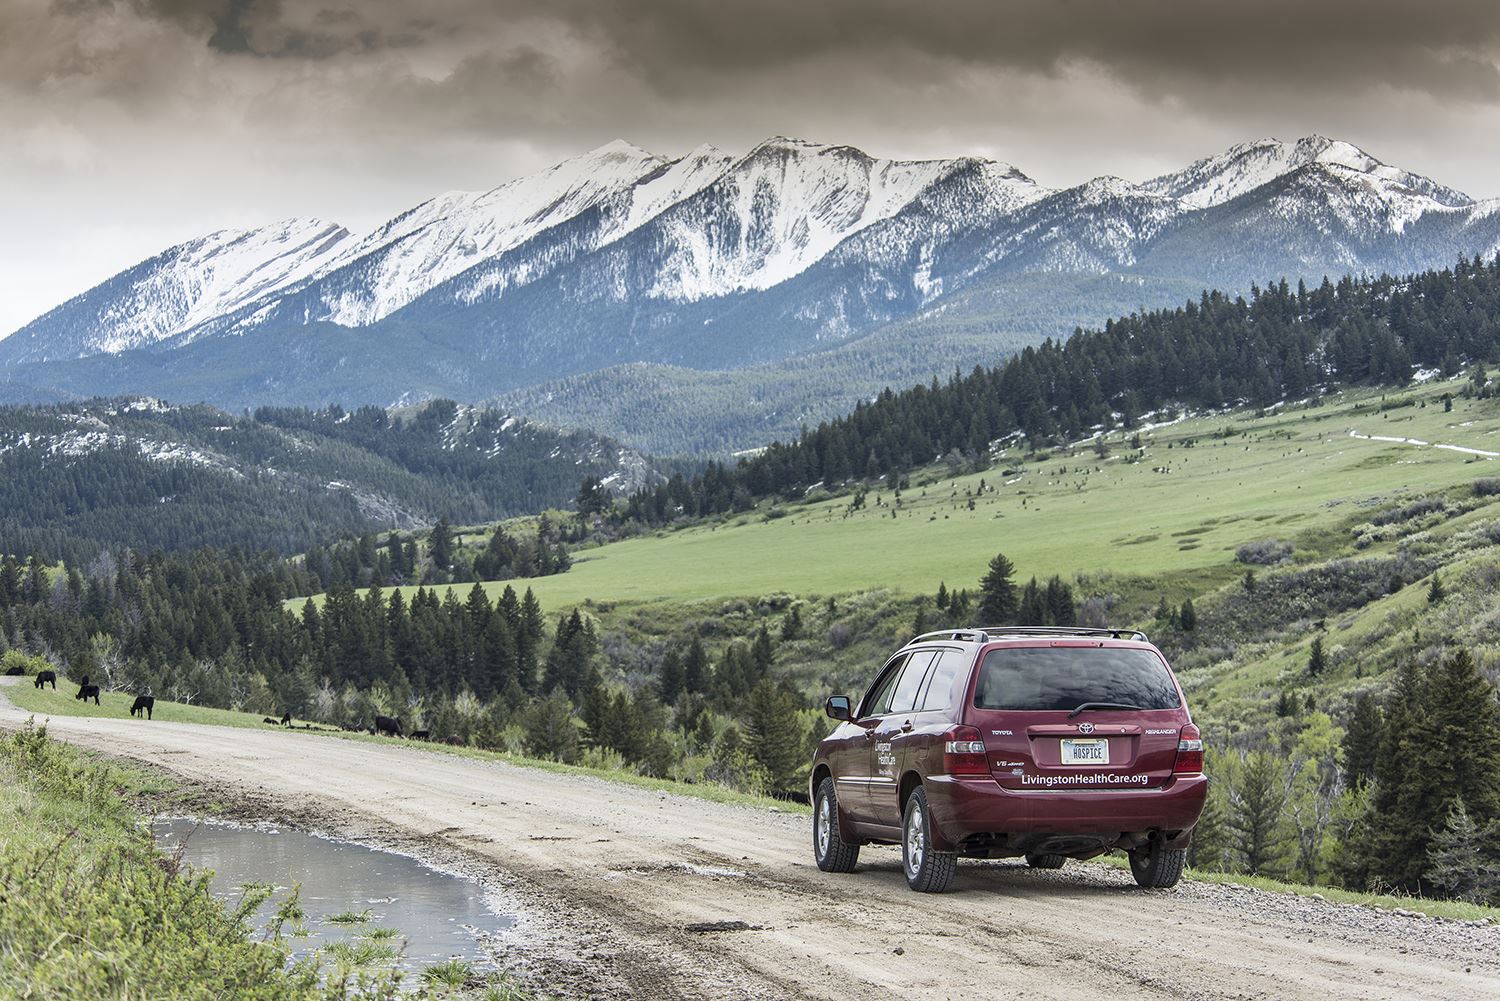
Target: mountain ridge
<point x="716" y="261"/>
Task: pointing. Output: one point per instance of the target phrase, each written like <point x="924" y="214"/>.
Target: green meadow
<point x="1182" y="503"/>
<point x="115" y="705"/>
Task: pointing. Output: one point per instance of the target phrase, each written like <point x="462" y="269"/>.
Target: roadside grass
<point x="1455" y="910"/>
<point x="1451" y="910"/>
<point x="115" y="705"/>
<point x="90" y="908"/>
<point x="349" y="917"/>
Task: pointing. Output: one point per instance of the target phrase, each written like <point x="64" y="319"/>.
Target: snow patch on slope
<point x="444" y="237"/>
<point x="1399" y="196"/>
<point x="782" y="207"/>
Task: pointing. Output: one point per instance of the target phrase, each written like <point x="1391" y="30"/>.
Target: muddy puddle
<point x="435" y="915"/>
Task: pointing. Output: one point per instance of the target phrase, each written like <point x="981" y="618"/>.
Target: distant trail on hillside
<point x="1424" y="444"/>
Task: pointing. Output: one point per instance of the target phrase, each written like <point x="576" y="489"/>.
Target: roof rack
<point x="983" y="634"/>
<point x="956" y="635"/>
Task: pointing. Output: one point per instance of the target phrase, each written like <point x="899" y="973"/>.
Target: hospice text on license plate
<point x="1085" y="752"/>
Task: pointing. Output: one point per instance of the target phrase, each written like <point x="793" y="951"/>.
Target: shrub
<point x="840" y="635"/>
<point x="92" y="909"/>
<point x="1487" y="487"/>
<point x="1264" y="552"/>
<point x="1414" y="509"/>
<point x="29" y="664"/>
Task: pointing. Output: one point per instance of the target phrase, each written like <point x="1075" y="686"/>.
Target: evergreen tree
<point x="440" y="545"/>
<point x="570" y="663"/>
<point x="1061" y="610"/>
<point x="1317" y="661"/>
<point x="695" y="668"/>
<point x="762" y="653"/>
<point x="1436" y="593"/>
<point x="791" y="626"/>
<point x="999" y="604"/>
<point x="549" y="729"/>
<point x="669" y="681"/>
<point x="919" y="623"/>
<point x="773" y="736"/>
<point x="1187" y="618"/>
<point x="1389" y="848"/>
<point x="1209" y="848"/>
<point x="1464" y="860"/>
<point x="1362" y="740"/>
<point x="1260" y="843"/>
<point x="1461" y="745"/>
<point x="1033" y="609"/>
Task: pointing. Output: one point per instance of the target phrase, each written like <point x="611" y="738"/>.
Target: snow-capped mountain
<point x="181" y="289"/>
<point x="718" y="260"/>
<point x="1243" y="168"/>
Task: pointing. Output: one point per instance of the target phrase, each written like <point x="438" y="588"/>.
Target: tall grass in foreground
<point x="90" y="908"/>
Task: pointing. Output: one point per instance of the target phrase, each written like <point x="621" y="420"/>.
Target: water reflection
<point x="436" y="915"/>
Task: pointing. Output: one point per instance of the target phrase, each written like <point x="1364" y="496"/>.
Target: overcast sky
<point x="130" y="125"/>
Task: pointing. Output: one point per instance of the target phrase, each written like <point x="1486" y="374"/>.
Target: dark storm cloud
<point x="680" y="46"/>
<point x="158" y="119"/>
<point x="1202" y="54"/>
<point x="1447" y="49"/>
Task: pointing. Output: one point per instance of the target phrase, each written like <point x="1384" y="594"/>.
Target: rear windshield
<point x="1066" y="677"/>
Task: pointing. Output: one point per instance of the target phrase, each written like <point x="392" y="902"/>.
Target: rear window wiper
<point x="1100" y="705"/>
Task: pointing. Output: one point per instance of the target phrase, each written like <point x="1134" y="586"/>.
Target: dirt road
<point x="607" y="877"/>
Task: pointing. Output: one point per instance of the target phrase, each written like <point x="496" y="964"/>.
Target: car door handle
<point x="906" y="727"/>
<point x="870" y="733"/>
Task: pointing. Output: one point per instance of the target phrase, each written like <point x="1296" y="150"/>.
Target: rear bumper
<point x="965" y="806"/>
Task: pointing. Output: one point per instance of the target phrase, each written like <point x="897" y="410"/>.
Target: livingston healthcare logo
<point x="1097" y="779"/>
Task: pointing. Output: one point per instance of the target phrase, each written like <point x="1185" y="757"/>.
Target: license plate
<point x="1085" y="752"/>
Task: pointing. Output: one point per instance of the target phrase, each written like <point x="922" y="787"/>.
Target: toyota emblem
<point x="1085" y="728"/>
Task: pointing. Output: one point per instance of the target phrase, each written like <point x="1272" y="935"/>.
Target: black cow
<point x="384" y="724"/>
<point x="15" y="672"/>
<point x="286" y="719"/>
<point x="273" y="722"/>
<point x="86" y="692"/>
<point x="143" y="704"/>
<point x="420" y="735"/>
<point x="43" y="677"/>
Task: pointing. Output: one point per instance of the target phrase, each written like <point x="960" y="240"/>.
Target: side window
<point x="939" y="688"/>
<point x="880" y="692"/>
<point x="904" y="695"/>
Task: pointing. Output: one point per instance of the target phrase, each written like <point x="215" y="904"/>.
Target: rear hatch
<point x="1071" y="714"/>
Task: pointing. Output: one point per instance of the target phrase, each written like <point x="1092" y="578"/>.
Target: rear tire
<point x="1157" y="868"/>
<point x="1046" y="861"/>
<point x="832" y="852"/>
<point x="927" y="871"/>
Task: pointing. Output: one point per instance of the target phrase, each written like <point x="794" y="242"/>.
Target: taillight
<point x="963" y="752"/>
<point x="1189" y="752"/>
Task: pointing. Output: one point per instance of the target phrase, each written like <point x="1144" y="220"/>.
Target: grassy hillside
<point x="1182" y="504"/>
<point x="1131" y="529"/>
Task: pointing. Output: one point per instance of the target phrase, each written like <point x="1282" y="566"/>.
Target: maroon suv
<point x="1050" y="743"/>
